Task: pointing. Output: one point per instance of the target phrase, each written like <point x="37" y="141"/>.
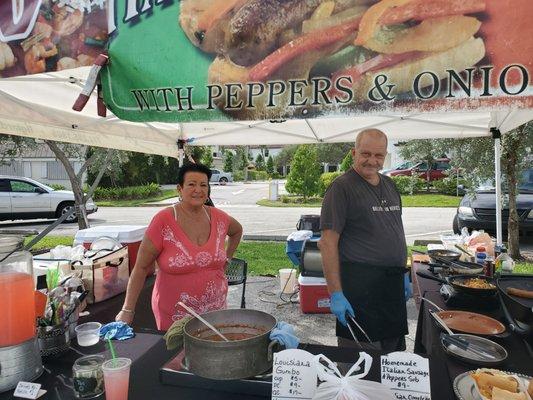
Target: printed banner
<point x="217" y="60"/>
<point x="39" y="36"/>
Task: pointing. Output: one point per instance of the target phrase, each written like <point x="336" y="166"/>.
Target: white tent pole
<point x="496" y="135"/>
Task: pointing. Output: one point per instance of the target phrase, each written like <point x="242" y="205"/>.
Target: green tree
<point x="332" y="153"/>
<point x="228" y="161"/>
<point x="207" y="158"/>
<point x="474" y="157"/>
<point x="424" y="150"/>
<point x="285" y="156"/>
<point x="259" y="163"/>
<point x="270" y="166"/>
<point x="12" y="146"/>
<point x="347" y="161"/>
<point x="305" y="172"/>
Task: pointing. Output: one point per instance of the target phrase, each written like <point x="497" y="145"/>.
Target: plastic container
<point x="17" y="292"/>
<point x="504" y="263"/>
<point x="88" y="376"/>
<point x="314" y="295"/>
<point x="88" y="334"/>
<point x="481" y="255"/>
<point x="287" y="280"/>
<point x="127" y="235"/>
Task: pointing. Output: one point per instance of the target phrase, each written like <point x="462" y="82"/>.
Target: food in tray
<point x="527" y="294"/>
<point x="493" y="384"/>
<point x="530" y="388"/>
<point x="476" y="283"/>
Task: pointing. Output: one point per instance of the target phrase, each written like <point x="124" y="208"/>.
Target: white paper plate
<point x="464" y="388"/>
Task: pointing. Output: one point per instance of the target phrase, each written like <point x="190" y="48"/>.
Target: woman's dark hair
<point x="193" y="168"/>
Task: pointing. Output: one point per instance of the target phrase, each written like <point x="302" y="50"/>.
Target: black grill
<point x="489" y="214"/>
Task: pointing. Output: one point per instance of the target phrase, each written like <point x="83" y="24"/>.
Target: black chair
<point x="236" y="272"/>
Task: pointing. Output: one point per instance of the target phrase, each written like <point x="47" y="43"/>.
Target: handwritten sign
<point x="407" y="375"/>
<point x="293" y="375"/>
<point x="28" y="390"/>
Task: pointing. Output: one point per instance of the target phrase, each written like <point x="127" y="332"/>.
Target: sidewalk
<point x="263" y="293"/>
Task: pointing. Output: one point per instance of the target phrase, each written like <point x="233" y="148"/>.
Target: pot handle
<point x="185" y="363"/>
<point x="270" y="351"/>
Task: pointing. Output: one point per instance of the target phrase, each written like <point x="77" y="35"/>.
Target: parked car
<point x="402" y="166"/>
<point x="221" y="176"/>
<point x="478" y="211"/>
<point x="438" y="170"/>
<point x="24" y="198"/>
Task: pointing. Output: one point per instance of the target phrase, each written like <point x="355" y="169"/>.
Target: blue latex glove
<point x="340" y="306"/>
<point x="284" y="334"/>
<point x="408" y="287"/>
<point x="116" y="330"/>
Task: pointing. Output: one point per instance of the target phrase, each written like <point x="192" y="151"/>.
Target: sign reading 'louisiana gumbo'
<point x="263" y="59"/>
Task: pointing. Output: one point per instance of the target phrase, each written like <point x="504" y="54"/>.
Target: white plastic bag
<point x="334" y="386"/>
<point x="77" y="253"/>
<point x="300" y="235"/>
<point x="60" y="252"/>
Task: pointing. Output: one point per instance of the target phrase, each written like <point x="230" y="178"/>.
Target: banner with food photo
<point x="217" y="60"/>
<point x="38" y="36"/>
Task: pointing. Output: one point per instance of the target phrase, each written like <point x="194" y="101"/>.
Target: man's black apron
<point x="377" y="296"/>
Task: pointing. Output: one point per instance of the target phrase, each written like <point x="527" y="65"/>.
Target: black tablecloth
<point x="149" y="354"/>
<point x="427" y="333"/>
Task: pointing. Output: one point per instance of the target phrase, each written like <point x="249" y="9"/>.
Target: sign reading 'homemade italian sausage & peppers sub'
<point x="219" y="60"/>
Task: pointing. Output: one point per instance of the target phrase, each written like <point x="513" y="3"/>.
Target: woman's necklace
<point x="198" y="215"/>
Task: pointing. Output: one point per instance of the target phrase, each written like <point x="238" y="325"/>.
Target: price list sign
<point x="407" y="375"/>
<point x="293" y="375"/>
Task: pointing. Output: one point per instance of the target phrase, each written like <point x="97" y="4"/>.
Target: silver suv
<point x="24" y="198"/>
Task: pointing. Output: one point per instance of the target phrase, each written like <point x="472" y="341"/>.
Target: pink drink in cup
<point x="116" y="378"/>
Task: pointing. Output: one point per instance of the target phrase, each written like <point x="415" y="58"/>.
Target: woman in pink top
<point x="188" y="241"/>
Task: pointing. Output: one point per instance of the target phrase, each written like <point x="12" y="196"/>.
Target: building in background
<point x="41" y="165"/>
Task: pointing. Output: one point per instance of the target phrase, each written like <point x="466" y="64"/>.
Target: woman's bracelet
<point x="128" y="311"/>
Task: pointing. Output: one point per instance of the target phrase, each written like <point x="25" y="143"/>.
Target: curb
<point x="265" y="238"/>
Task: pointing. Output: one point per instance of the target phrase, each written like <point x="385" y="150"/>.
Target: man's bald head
<point x="374" y="134"/>
<point x="369" y="154"/>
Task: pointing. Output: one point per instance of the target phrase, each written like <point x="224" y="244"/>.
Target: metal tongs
<point x="349" y="319"/>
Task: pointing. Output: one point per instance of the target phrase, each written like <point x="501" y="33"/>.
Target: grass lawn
<point x="430" y="200"/>
<point x="49" y="242"/>
<point x="417" y="200"/>
<point x="165" y="194"/>
<point x="264" y="258"/>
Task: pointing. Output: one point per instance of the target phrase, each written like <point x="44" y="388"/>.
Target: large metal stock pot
<point x="248" y="353"/>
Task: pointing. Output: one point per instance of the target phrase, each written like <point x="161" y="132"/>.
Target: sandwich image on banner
<point x="270" y="59"/>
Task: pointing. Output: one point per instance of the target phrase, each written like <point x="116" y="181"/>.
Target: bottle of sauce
<point x="504" y="262"/>
<point x="481" y="255"/>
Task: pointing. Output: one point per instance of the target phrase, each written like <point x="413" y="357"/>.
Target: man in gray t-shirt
<point x="363" y="247"/>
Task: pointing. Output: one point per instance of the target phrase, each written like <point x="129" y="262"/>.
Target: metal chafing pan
<point x="469" y="322"/>
<point x="518" y="310"/>
<point x="457" y="281"/>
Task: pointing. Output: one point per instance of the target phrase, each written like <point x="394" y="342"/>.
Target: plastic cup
<point x="287" y="280"/>
<point x="88" y="334"/>
<point x="116" y="378"/>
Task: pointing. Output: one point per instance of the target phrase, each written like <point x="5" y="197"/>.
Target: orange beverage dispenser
<point x="20" y="359"/>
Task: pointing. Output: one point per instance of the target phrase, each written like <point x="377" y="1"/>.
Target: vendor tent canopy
<point x="39" y="106"/>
